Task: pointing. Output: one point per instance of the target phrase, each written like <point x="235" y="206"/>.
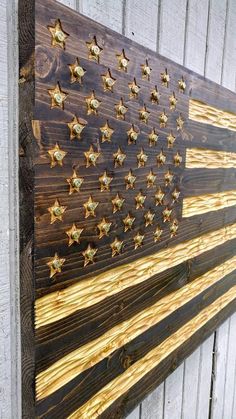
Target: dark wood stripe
<point x="203" y="181"/>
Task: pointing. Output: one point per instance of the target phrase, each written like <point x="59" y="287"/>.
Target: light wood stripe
<point x="60" y="304"/>
<point x="195" y="205"/>
<point x="207" y="114"/>
<point x="68" y="367"/>
<point x="120" y="385"/>
<point x="199" y="158"/>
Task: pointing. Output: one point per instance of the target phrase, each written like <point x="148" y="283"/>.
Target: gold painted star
<point x="144" y="114"/>
<point x="91" y="156"/>
<point x="173" y="101"/>
<point x="74" y="234"/>
<point x="57" y="155"/>
<point x="105" y="181"/>
<point x="117" y="203"/>
<point x="77" y="72"/>
<point x="94" y="50"/>
<point x="123" y="61"/>
<point x="155" y="95"/>
<point x="130" y="180"/>
<point x="132" y="135"/>
<point x="174" y="228"/>
<point x="142" y="158"/>
<point x="107" y="132"/>
<point x="119" y="157"/>
<point x="157" y="234"/>
<point x="55" y="265"/>
<point x="92" y="104"/>
<point x="165" y="78"/>
<point x="150" y="179"/>
<point x="170" y="140"/>
<point x="149" y="217"/>
<point x="128" y="222"/>
<point x="134" y="89"/>
<point x="104" y="228"/>
<point x="58" y="97"/>
<point x="116" y="247"/>
<point x="182" y="85"/>
<point x="56" y="211"/>
<point x="159" y="197"/>
<point x="177" y="159"/>
<point x="140" y="199"/>
<point x="180" y="123"/>
<point x="175" y="195"/>
<point x="168" y="178"/>
<point x="166" y="214"/>
<point x="153" y="137"/>
<point x="108" y="81"/>
<point x="76" y="127"/>
<point x="163" y="119"/>
<point x="121" y="110"/>
<point x="75" y="182"/>
<point x="146" y="71"/>
<point x="90" y="207"/>
<point x="138" y="240"/>
<point x="58" y="35"/>
<point x="161" y="158"/>
<point x="89" y="254"/>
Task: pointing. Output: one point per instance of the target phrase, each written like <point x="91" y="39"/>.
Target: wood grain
<point x="209" y="159"/>
<point x="207" y="114"/>
<point x="210" y="202"/>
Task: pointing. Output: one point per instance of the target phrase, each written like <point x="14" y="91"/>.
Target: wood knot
<point x="126" y="361"/>
<point x="45" y="61"/>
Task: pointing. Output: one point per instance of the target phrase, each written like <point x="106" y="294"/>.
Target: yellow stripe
<point x="195" y="205"/>
<point x="199" y="158"/>
<point x="120" y="385"/>
<point x="73" y="364"/>
<point x="207" y="114"/>
<point x="60" y="304"/>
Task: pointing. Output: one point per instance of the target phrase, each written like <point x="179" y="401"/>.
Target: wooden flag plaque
<point x="128" y="220"/>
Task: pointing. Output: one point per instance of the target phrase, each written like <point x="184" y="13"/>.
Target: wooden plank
<point x="69" y="3"/>
<point x="190" y="385"/>
<point x="173" y="394"/>
<point x="135" y="414"/>
<point x="204" y="379"/>
<point x="229" y="51"/>
<point x="107" y="12"/>
<point x="152" y="406"/>
<point x="230" y="373"/>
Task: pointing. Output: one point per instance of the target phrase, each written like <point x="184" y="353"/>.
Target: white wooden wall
<point x="201" y="34"/>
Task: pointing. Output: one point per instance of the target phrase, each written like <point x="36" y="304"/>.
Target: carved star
<point x="175" y="195"/>
<point x="74" y="234"/>
<point x="117" y="203"/>
<point x="121" y="110"/>
<point x="123" y="61"/>
<point x="76" y="127"/>
<point x="170" y="140"/>
<point x="90" y="207"/>
<point x="55" y="265"/>
<point x="153" y="137"/>
<point x="128" y="222"/>
<point x="150" y="179"/>
<point x="91" y="156"/>
<point x="182" y="85"/>
<point x="166" y="214"/>
<point x="157" y="234"/>
<point x="58" y="35"/>
<point x="132" y="135"/>
<point x="155" y="95"/>
<point x="149" y="217"/>
<point x="56" y="211"/>
<point x="130" y="180"/>
<point x="174" y="228"/>
<point x="105" y="181"/>
<point x="144" y="114"/>
<point x="173" y="101"/>
<point x="163" y="119"/>
<point x="180" y="123"/>
<point x="140" y="199"/>
<point x="168" y="178"/>
<point x="138" y="240"/>
<point x="94" y="50"/>
<point x="165" y="78"/>
<point x="75" y="182"/>
<point x="161" y="158"/>
<point x="146" y="71"/>
<point x="177" y="159"/>
<point x="107" y="132"/>
<point x="108" y="81"/>
<point x="58" y="97"/>
<point x="116" y="247"/>
<point x="77" y="72"/>
<point x="119" y="157"/>
<point x="89" y="254"/>
<point x="92" y="104"/>
<point x="134" y="89"/>
<point x="104" y="228"/>
<point x="142" y="158"/>
<point x="159" y="197"/>
<point x="57" y="155"/>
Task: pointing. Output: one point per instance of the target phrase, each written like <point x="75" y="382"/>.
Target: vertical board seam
<point x="207" y="36"/>
<point x="224" y="42"/>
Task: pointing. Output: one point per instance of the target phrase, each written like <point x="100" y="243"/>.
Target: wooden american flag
<point x="131" y="163"/>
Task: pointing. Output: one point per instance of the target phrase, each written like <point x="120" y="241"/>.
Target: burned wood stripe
<point x="209" y="159"/>
<point x="202" y="181"/>
<point x="207" y="114"/>
<point x="112" y="391"/>
<point x="55" y="306"/>
<point x="195" y="205"/>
